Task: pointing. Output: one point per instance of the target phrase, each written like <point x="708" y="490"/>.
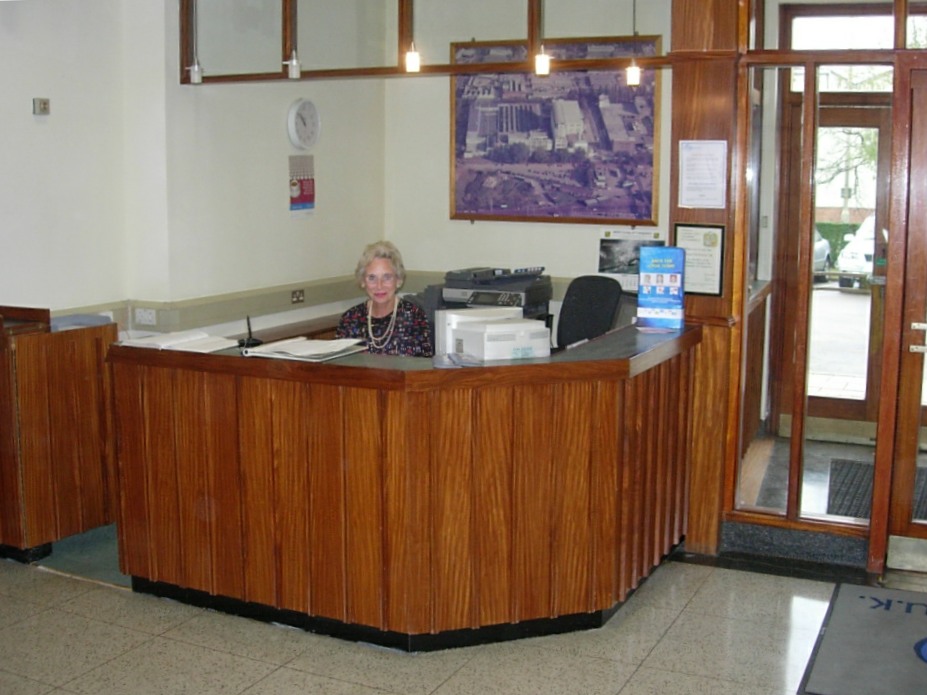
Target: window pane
<point x="439" y="23"/>
<point x="824" y="33"/>
<point x="847" y="78"/>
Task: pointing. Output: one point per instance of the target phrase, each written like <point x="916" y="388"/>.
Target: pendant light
<point x="542" y="63"/>
<point x="196" y="70"/>
<point x="413" y="59"/>
<point x="632" y="73"/>
<point x="293" y="68"/>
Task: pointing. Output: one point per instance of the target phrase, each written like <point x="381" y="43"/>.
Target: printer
<point x="502" y="339"/>
<point x="527" y="288"/>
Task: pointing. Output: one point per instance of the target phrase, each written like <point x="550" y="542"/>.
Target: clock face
<point x="303" y="124"/>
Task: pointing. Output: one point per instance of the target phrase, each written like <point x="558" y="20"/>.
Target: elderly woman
<point x="387" y="324"/>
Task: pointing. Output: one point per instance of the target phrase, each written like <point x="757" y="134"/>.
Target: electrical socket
<point x="41" y="107"/>
<point x="297" y="296"/>
<point x="145" y="316"/>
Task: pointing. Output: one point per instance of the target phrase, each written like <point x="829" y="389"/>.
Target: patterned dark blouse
<point x="411" y="334"/>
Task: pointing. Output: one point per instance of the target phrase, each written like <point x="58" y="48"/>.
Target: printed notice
<point x="302" y="182"/>
<point x="702" y="173"/>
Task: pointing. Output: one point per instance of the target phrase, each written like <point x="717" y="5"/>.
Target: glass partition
<point x="239" y="37"/>
<point x="439" y="23"/>
<point x="347" y="34"/>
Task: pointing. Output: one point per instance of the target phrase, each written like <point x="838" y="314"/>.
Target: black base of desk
<point x="26" y="555"/>
<point x="361" y="633"/>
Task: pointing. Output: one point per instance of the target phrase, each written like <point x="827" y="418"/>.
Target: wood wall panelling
<point x="364" y="454"/>
<point x="327" y="502"/>
<point x="11" y="509"/>
<point x="261" y="571"/>
<point x="134" y="517"/>
<point x="494" y="492"/>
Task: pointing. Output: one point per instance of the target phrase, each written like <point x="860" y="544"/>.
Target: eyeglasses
<point x="386" y="279"/>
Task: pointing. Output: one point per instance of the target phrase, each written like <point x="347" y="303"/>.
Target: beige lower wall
<point x="227" y="312"/>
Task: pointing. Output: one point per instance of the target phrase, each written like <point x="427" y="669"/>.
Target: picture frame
<point x="704" y="265"/>
<point x="575" y="146"/>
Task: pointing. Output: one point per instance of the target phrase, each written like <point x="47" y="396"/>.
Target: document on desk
<point x="307" y="350"/>
<point x="189" y="341"/>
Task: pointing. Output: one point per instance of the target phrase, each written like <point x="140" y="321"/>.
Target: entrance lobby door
<point x="908" y="495"/>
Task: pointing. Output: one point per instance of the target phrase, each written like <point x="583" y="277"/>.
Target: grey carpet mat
<point x="873" y="641"/>
<point x="850" y="490"/>
<point x="91" y="555"/>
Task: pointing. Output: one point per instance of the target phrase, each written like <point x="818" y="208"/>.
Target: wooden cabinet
<point x="55" y="423"/>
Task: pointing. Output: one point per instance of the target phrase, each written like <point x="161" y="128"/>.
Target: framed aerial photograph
<point x="574" y="146"/>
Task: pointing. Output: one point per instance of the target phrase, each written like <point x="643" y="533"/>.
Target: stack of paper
<point x="191" y="341"/>
<point x="302" y="348"/>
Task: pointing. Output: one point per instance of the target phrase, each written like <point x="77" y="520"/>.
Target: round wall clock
<point x="303" y="124"/>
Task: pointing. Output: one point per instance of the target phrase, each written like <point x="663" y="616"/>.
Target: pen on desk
<point x="577" y="343"/>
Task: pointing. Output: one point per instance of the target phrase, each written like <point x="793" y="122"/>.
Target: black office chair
<point x="590" y="308"/>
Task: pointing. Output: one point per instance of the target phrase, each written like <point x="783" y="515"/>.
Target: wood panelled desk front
<point x="381" y="499"/>
<point x="55" y="455"/>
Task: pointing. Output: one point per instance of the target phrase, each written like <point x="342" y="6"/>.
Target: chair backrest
<point x="590" y="309"/>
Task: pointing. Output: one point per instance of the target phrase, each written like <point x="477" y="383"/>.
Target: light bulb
<point x="633" y="74"/>
<point x="413" y="59"/>
<point x="542" y="63"/>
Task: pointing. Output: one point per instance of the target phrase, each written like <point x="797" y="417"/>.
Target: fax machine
<point x="527" y="288"/>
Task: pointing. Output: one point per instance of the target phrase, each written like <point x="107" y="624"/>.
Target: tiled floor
<point x="688" y="629"/>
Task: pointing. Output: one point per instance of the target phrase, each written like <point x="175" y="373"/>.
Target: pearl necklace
<point x="383" y="340"/>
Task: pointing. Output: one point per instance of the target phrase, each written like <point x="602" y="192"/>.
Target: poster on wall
<point x="574" y="146"/>
<point x="620" y="253"/>
<point x="302" y="182"/>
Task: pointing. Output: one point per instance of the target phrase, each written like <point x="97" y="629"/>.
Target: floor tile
<point x="648" y="681"/>
<point x="755" y="653"/>
<point x="167" y="667"/>
<point x="242" y="637"/>
<point x="518" y="668"/>
<point x="751" y="596"/>
<point x="38" y="586"/>
<point x="141" y="612"/>
<point x="286" y="681"/>
<point x="629" y="636"/>
<point x="397" y="672"/>
<point x="11" y="684"/>
<point x="672" y="585"/>
<point x="53" y="646"/>
<point x="13" y="610"/>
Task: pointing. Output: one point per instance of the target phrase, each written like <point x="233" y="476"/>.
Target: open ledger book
<point x="191" y="341"/>
<point x="303" y="348"/>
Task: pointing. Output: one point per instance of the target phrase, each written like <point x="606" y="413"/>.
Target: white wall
<point x="137" y="187"/>
<point x="61" y="183"/>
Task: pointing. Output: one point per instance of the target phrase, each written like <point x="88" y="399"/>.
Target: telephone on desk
<point x="524" y="287"/>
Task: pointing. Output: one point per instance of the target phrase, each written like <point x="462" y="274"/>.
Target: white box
<point x="504" y="339"/>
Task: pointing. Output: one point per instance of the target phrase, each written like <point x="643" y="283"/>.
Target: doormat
<point x="873" y="640"/>
<point x="850" y="489"/>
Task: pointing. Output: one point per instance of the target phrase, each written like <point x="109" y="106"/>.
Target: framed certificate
<point x="704" y="245"/>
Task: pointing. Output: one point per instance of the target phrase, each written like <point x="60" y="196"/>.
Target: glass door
<point x="908" y="498"/>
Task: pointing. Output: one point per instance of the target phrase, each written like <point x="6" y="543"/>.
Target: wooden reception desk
<point x="382" y="499"/>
